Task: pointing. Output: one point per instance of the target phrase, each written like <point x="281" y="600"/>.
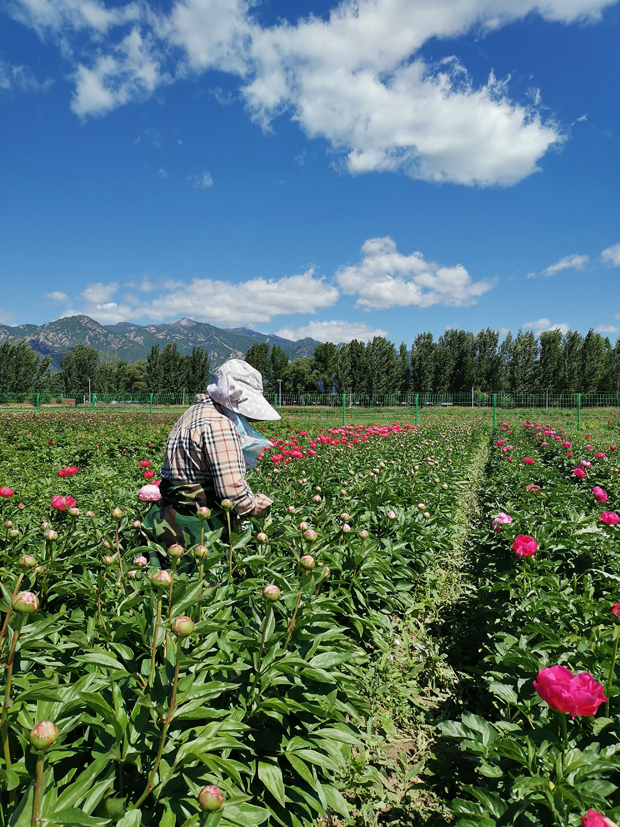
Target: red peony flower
<point x="596" y="819"/>
<point x="578" y="694"/>
<point x="579" y="472"/>
<point x="528" y="460"/>
<point x="609" y="518"/>
<point x="615" y="609"/>
<point x="144" y="463"/>
<point x="600" y="494"/>
<point x="148" y="474"/>
<point x="69" y="471"/>
<point x="5" y="491"/>
<point x="62" y="503"/>
<point x="524" y="546"/>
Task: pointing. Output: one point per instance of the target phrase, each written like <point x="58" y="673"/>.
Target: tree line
<point x="457" y="362"/>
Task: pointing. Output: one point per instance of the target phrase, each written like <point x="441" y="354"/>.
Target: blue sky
<point x="384" y="166"/>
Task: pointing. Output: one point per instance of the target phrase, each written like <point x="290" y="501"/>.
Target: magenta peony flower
<point x="144" y="463"/>
<point x="5" y="491"/>
<point x="615" y="609"/>
<point x="528" y="460"/>
<point x="148" y="475"/>
<point x="501" y="519"/>
<point x="609" y="518"/>
<point x="579" y="472"/>
<point x="596" y="819"/>
<point x="566" y="444"/>
<point x="149" y="493"/>
<point x="532" y="487"/>
<point x="524" y="546"/>
<point x="69" y="471"/>
<point x="564" y="692"/>
<point x="599" y="494"/>
<point x="600" y="456"/>
<point x="62" y="503"/>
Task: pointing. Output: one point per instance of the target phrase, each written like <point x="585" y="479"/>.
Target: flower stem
<point x="154" y="646"/>
<point x="264" y="635"/>
<point x="4" y="727"/>
<point x="230" y="546"/>
<point x="37" y="789"/>
<point x="164" y="732"/>
<point x="10" y="609"/>
<point x="612" y="669"/>
<point x="291" y="625"/>
<point x="118" y="553"/>
<point x="564" y="730"/>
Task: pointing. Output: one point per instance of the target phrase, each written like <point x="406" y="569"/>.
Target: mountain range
<point x="133" y="342"/>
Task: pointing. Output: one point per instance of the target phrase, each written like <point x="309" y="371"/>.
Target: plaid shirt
<point x="205" y="446"/>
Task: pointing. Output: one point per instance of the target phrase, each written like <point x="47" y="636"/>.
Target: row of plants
<point x="538" y="740"/>
<point x="223" y="683"/>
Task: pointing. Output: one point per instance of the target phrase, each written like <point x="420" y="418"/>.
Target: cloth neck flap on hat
<point x="252" y="443"/>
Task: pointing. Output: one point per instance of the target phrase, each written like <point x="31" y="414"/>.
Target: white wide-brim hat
<point x="239" y="387"/>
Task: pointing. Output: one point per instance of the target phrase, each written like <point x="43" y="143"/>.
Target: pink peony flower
<point x="69" y="471"/>
<point x="615" y="609"/>
<point x="596" y="819"/>
<point x="613" y="447"/>
<point x="524" y="546"/>
<point x="532" y="487"/>
<point x="500" y="442"/>
<point x="564" y="692"/>
<point x="62" y="503"/>
<point x="528" y="460"/>
<point x="5" y="491"/>
<point x="149" y="493"/>
<point x="501" y="519"/>
<point x="579" y="472"/>
<point x="609" y="518"/>
<point x="140" y="560"/>
<point x="599" y="494"/>
<point x="600" y="456"/>
<point x="144" y="463"/>
<point x="566" y="444"/>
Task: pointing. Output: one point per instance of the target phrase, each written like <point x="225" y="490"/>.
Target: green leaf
<point x="99" y="659"/>
<point x="131" y="819"/>
<point x="271" y="776"/>
<point x="72" y="816"/>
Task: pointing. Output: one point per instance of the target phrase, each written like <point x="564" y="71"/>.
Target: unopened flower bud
<point x="13" y="533"/>
<point x="132" y="574"/>
<point x="317" y="498"/>
<point x="303" y="526"/>
<point x="75" y="512"/>
<point x="291" y="509"/>
<point x="345" y="517"/>
<point x="201" y="551"/>
<point x="108" y="560"/>
<point x="310" y="536"/>
<point x="445" y="485"/>
<point x="140" y="560"/>
<point x="27" y="561"/>
<point x="137" y="523"/>
<point x="421" y="506"/>
<point x="117" y="513"/>
<point x="271" y="593"/>
<point x="44" y="735"/>
<point x="162" y="579"/>
<point x="261" y="537"/>
<point x="227" y="505"/>
<point x="346" y="528"/>
<point x="391" y="515"/>
<point x="210" y="798"/>
<point x="26" y="603"/>
<point x="51" y="535"/>
<point x="176" y="551"/>
<point x="416" y="467"/>
<point x="307" y="562"/>
<point x="105" y="544"/>
<point x="364" y="534"/>
<point x="21" y="505"/>
<point x="90" y="513"/>
<point x="183" y="626"/>
<point x="45" y="526"/>
<point x="203" y="513"/>
<point x="8" y="524"/>
<point x="39" y="569"/>
<point x="328" y="571"/>
<point x="427" y="514"/>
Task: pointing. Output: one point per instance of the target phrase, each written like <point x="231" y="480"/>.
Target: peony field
<point x="423" y="631"/>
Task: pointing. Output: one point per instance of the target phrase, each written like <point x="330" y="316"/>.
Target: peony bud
<point x="117" y="513"/>
<point x="162" y="579"/>
<point x="175" y="551"/>
<point x="44" y="735"/>
<point x="303" y="526"/>
<point x="108" y="560"/>
<point x="310" y="536"/>
<point x="346" y="528"/>
<point x="51" y="535"/>
<point x="327" y="571"/>
<point x="271" y="593"/>
<point x="44" y="526"/>
<point x="13" y="533"/>
<point x="291" y="509"/>
<point x="201" y="551"/>
<point x="317" y="498"/>
<point x="345" y="517"/>
<point x="140" y="560"/>
<point x="427" y="514"/>
<point x="132" y="574"/>
<point x="261" y="537"/>
<point x="421" y="506"/>
<point x="90" y="513"/>
<point x="210" y="798"/>
<point x="203" y="513"/>
<point x="307" y="562"/>
<point x="137" y="523"/>
<point x="8" y="524"/>
<point x="183" y="626"/>
<point x="26" y="603"/>
<point x="364" y="534"/>
<point x="27" y="561"/>
<point x="391" y="515"/>
<point x="227" y="505"/>
<point x="75" y="512"/>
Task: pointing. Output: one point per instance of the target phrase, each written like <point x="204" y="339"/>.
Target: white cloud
<point x="162" y="173"/>
<point x="355" y="79"/>
<point x="57" y="296"/>
<point x="544" y="324"/>
<point x="607" y="328"/>
<point x="335" y="331"/>
<point x="386" y="278"/>
<point x="573" y="262"/>
<point x="6" y="318"/>
<point x="612" y="254"/>
<point x="22" y="78"/>
<point x="531" y="276"/>
<point x="97" y="293"/>
<point x="202" y="180"/>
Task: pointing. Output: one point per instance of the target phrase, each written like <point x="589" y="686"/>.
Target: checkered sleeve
<point x="222" y="448"/>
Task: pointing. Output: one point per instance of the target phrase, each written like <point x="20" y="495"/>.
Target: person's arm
<point x="224" y="456"/>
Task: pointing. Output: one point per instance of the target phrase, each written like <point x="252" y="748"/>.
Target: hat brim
<point x="257" y="407"/>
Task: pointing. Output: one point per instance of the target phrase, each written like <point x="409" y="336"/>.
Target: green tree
<point x="21" y="370"/>
<point x="77" y="366"/>
<point x="136" y="377"/>
<point x="172" y="369"/>
<point x="278" y="369"/>
<point x="196" y="371"/>
<point x="325" y="365"/>
<point x="423" y="355"/>
<point x="488" y="360"/>
<point x="571" y="360"/>
<point x="404" y="369"/>
<point x="258" y="357"/>
<point x="595" y="363"/>
<point x="153" y="372"/>
<point x="443" y="364"/>
<point x="506" y="351"/>
<point x="524" y="366"/>
<point x="299" y="378"/>
<point x="550" y="361"/>
<point x="383" y="366"/>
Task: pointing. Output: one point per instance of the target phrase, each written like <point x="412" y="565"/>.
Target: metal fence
<point x="344" y="408"/>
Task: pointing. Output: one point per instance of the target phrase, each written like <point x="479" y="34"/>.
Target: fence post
<point x="38" y="395"/>
<point x="417" y="396"/>
<point x="494" y="407"/>
<point x="94" y="400"/>
<point x="275" y="401"/>
<point x="578" y="411"/>
<point x="150" y="404"/>
<point x="344" y="408"/>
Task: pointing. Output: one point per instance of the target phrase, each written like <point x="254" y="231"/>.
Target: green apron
<point x="174" y="515"/>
